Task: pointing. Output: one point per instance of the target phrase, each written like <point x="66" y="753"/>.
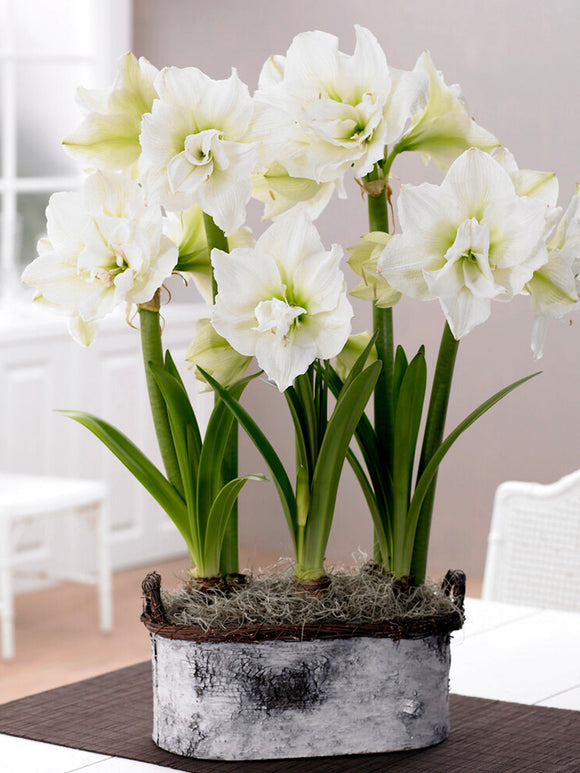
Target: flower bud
<point x="363" y="261"/>
<point x="353" y="349"/>
<point x="214" y="354"/>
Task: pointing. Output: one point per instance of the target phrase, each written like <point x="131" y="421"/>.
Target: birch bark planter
<point x="354" y="690"/>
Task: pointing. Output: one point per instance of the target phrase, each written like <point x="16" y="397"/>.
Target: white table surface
<point x="504" y="652"/>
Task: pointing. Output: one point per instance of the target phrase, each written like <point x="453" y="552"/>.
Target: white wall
<point x="518" y="64"/>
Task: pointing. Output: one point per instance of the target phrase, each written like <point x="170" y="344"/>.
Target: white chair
<point x="533" y="555"/>
<point x="25" y="498"/>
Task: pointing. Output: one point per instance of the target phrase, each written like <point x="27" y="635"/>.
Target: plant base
<point x="269" y="700"/>
<point x="300" y="694"/>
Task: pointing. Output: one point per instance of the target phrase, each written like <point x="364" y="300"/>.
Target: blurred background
<point x="517" y="62"/>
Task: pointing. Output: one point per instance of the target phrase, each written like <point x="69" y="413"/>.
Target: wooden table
<point x="504" y="653"/>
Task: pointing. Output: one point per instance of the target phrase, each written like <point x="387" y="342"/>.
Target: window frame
<point x="110" y="23"/>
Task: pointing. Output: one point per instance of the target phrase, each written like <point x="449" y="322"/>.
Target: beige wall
<point x="518" y="64"/>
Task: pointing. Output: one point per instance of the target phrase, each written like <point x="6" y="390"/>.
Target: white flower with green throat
<point x="195" y="150"/>
<point x="466" y="242"/>
<point x="104" y="247"/>
<point x="283" y="301"/>
<point x="321" y="113"/>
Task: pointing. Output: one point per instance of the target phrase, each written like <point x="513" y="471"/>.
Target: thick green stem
<point x="152" y="349"/>
<point x="229" y="557"/>
<point x="434" y="428"/>
<point x="383" y="324"/>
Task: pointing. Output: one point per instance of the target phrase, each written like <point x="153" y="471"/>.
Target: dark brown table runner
<point x="112" y="714"/>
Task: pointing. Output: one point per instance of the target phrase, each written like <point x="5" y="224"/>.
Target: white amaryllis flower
<point x="104" y="247"/>
<point x="555" y="287"/>
<point x="283" y="301"/>
<point x="442" y="128"/>
<point x="108" y="137"/>
<point x="468" y="241"/>
<point x="194" y="144"/>
<point x="321" y="113"/>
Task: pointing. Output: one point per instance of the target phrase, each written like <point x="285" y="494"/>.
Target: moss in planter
<point x="271" y="597"/>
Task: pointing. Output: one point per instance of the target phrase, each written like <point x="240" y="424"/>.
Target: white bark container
<point x="276" y="699"/>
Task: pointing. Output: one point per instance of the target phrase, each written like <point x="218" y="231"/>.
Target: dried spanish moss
<point x="272" y="597"/>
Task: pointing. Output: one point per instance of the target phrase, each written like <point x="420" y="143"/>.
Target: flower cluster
<point x="169" y="151"/>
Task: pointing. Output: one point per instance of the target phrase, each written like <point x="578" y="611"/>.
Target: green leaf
<point x="196" y="440"/>
<point x="407" y="422"/>
<point x="217" y="434"/>
<point x="401" y="365"/>
<point x="367" y="441"/>
<point x="264" y="446"/>
<point x="345" y="417"/>
<point x="432" y="437"/>
<point x="139" y="466"/>
<point x="321" y="402"/>
<point x="181" y="416"/>
<point x="297" y="414"/>
<point x="303" y="387"/>
<point x="152" y="350"/>
<point x="383" y="399"/>
<point x="431" y="469"/>
<point x="217" y="521"/>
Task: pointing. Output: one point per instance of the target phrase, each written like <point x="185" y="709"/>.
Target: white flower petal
<point x="473" y="180"/>
<point x="283" y="361"/>
<point x="464" y="311"/>
<point x="104" y="247"/>
<point x="539" y="330"/>
<point x="403" y="263"/>
<point x="244" y="277"/>
<point x="276" y="302"/>
<point x="299" y="237"/>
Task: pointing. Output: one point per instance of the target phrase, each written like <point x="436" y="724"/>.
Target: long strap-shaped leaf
<point x="181" y="416"/>
<point x="345" y="417"/>
<point x="171" y="368"/>
<point x="367" y="441"/>
<point x="297" y="414"/>
<point x="432" y="437"/>
<point x="138" y="465"/>
<point x="270" y="456"/>
<point x="152" y="350"/>
<point x="411" y="395"/>
<point x="217" y="437"/>
<point x="218" y="519"/>
<point x="303" y="387"/>
<point x="431" y="468"/>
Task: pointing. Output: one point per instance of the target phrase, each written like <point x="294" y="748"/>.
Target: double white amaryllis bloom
<point x="555" y="287"/>
<point x="466" y="242"/>
<point x="104" y="247"/>
<point x="283" y="300"/>
<point x="194" y="145"/>
<point x="321" y="113"/>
